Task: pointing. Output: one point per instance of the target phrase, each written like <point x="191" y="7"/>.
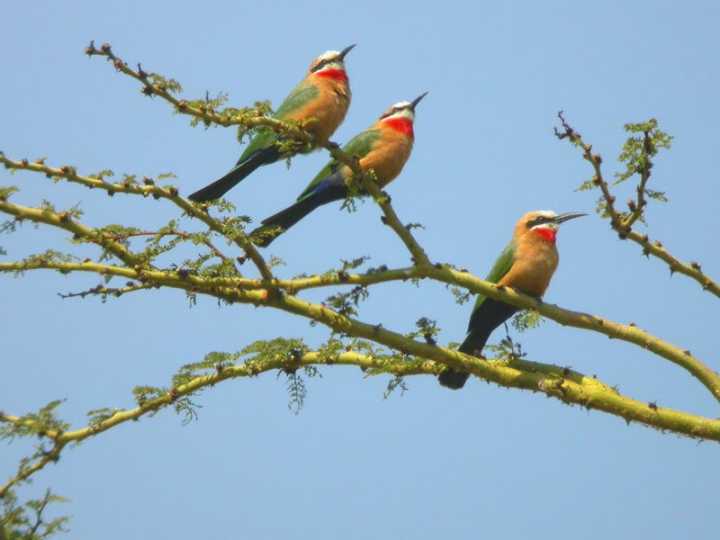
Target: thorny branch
<point x="564" y="384"/>
<point x="623" y="223"/>
<point x="148" y="188"/>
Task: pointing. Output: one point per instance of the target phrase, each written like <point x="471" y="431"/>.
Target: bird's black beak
<point x="417" y="100"/>
<point x="567" y="216"/>
<point x="346" y="50"/>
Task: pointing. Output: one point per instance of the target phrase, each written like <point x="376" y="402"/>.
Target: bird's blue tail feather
<point x="221" y="186"/>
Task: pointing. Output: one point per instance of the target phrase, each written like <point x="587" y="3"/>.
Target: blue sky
<point x="482" y="462"/>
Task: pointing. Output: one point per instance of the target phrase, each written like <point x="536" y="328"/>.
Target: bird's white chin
<point x="548" y="226"/>
<point x="404" y="113"/>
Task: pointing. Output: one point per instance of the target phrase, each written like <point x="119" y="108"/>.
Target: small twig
<point x="638" y="207"/>
<point x="103" y="291"/>
<point x="179" y="234"/>
<point x="390" y="218"/>
<point x="595" y="160"/>
<point x="26" y="471"/>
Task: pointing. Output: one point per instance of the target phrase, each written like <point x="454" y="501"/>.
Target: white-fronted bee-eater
<point x="321" y="101"/>
<point x="384" y="147"/>
<point x="526" y="264"/>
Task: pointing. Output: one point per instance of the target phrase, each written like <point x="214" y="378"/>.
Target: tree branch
<point x="623" y="224"/>
<point x="568" y="386"/>
<point x="255" y="292"/>
<point x="148" y="189"/>
<point x="63" y="220"/>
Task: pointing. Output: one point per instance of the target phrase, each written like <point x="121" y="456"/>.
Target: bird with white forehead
<point x="526" y="264"/>
<point x="321" y="101"/>
<point x="384" y="147"/>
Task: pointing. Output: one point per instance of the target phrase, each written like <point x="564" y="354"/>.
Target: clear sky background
<point x="481" y="463"/>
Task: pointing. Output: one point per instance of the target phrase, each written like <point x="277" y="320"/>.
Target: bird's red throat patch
<point x="402" y="125"/>
<point x="334" y="74"/>
<point x="546" y="233"/>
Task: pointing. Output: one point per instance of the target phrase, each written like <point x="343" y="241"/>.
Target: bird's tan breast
<point x="325" y="113"/>
<point x="533" y="268"/>
<point x="388" y="156"/>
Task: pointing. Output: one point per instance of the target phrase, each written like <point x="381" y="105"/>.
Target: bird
<point x="321" y="100"/>
<point x="526" y="264"/>
<point x="384" y="147"/>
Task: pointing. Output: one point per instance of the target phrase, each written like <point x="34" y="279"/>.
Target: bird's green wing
<point x="358" y="146"/>
<point x="301" y="94"/>
<point x="501" y="267"/>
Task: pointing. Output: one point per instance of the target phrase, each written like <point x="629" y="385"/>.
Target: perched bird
<point x="384" y="148"/>
<point x="527" y="264"/>
<point x="321" y="99"/>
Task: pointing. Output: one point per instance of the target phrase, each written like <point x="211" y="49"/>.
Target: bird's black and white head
<point x="330" y="61"/>
<point x="403" y="109"/>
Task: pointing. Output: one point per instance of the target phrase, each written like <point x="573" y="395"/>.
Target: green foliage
<point x="143" y="394"/>
<point x="601" y="208"/>
<point x="290" y="351"/>
<point x="234" y="226"/>
<point x="297" y="391"/>
<point x="170" y="86"/>
<point x="166" y="176"/>
<point x="526" y="320"/>
<point x="507" y="349"/>
<point x="427" y="329"/>
<point x="395" y="383"/>
<point x="260" y="108"/>
<point x="46" y="257"/>
<point x="100" y="174"/>
<point x="212" y="363"/>
<point x="98" y="416"/>
<point x="656" y="195"/>
<point x="35" y="423"/>
<point x="353" y="264"/>
<point x="276" y="349"/>
<point x="343" y="273"/>
<point x="29" y="521"/>
<point x="587" y="185"/>
<point x="347" y="303"/>
<point x="645" y="141"/>
<point x="461" y="295"/>
<point x="289" y="147"/>
<point x="186" y="408"/>
<point x="274" y="262"/>
<point x="9" y="226"/>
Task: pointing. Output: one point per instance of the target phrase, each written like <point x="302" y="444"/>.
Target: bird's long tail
<point x="277" y="224"/>
<point x="473" y="344"/>
<point x="483" y="321"/>
<point x="219" y="187"/>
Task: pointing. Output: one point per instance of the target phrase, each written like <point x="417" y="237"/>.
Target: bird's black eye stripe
<point x="538" y="221"/>
<point x="323" y="63"/>
<point x="393" y="111"/>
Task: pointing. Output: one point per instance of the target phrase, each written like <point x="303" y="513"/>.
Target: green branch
<point x="257" y="292"/>
<point x="148" y="189"/>
<point x="566" y="385"/>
